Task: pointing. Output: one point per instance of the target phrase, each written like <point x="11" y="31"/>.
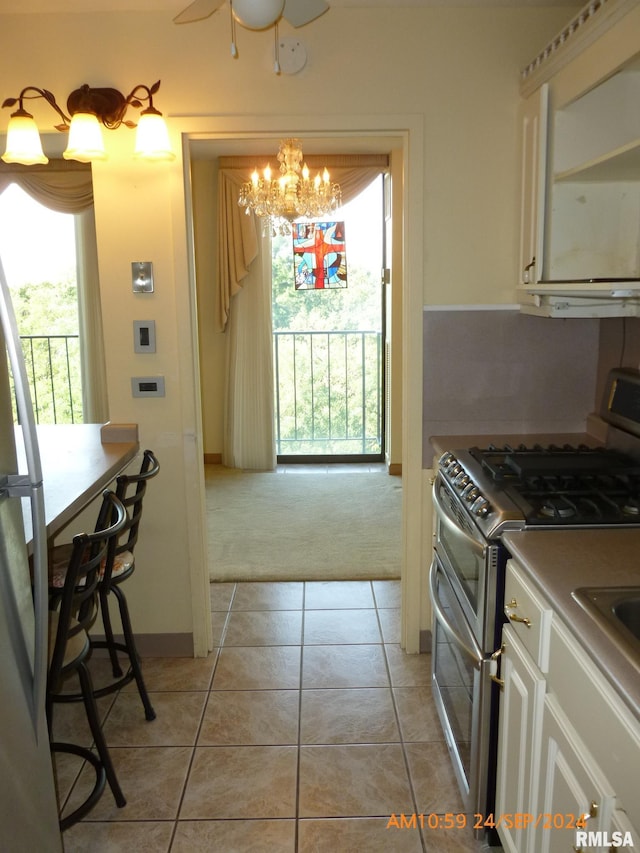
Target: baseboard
<point x="213" y="458"/>
<point x="425" y="641"/>
<point x="395" y="469"/>
<point x="157" y="645"/>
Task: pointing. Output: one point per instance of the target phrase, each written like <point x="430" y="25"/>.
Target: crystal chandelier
<point x="291" y="195"/>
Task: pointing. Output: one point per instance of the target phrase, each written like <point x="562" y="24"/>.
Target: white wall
<point x="456" y="70"/>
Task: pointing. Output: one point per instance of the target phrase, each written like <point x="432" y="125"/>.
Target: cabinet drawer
<point x="528" y="614"/>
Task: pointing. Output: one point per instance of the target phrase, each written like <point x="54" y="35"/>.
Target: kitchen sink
<point x="617" y="611"/>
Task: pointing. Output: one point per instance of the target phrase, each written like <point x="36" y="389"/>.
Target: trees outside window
<point x="38" y="252"/>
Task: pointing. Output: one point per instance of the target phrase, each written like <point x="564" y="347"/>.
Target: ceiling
<point x="174" y="6"/>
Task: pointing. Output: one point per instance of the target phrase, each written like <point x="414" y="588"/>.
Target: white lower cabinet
<point x="568" y="750"/>
<point x="520" y="724"/>
<point x="573" y="795"/>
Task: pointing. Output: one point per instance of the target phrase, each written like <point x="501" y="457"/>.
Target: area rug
<point x="303" y="526"/>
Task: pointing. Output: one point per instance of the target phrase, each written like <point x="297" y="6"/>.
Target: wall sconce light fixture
<point x="88" y="108"/>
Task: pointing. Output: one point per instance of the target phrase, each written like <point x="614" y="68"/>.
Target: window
<point x="49" y="251"/>
<point x="38" y="251"/>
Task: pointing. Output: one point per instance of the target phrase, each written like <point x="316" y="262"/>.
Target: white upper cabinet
<point x="593" y="180"/>
<point x="580" y="186"/>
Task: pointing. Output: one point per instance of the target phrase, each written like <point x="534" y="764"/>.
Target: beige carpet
<point x="303" y="526"/>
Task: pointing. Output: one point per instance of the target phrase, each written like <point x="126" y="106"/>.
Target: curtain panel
<point x="67" y="187"/>
<point x="243" y="304"/>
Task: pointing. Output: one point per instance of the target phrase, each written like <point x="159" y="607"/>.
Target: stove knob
<point x="461" y="481"/>
<point x="481" y="507"/>
<point x="470" y="492"/>
<point x="446" y="459"/>
<point x="454" y="470"/>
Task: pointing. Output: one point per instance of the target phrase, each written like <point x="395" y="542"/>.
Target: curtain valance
<point x="61" y="185"/>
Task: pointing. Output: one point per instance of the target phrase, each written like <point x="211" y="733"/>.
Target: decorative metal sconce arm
<point x="108" y="105"/>
<point x="88" y="107"/>
<point x="39" y="93"/>
<point x="136" y="100"/>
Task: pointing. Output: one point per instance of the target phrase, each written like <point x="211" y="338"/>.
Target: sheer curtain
<point x="243" y="305"/>
<point x="67" y="187"/>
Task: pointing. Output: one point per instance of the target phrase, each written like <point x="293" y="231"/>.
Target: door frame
<point x="408" y="129"/>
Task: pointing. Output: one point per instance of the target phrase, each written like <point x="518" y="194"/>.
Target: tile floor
<point x="304" y="730"/>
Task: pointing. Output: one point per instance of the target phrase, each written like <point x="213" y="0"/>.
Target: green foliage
<point x="47" y="316"/>
<point x="357" y="306"/>
<point x="46" y="308"/>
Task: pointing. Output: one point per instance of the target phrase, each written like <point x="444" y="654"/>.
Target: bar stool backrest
<point x="78" y="604"/>
<point x="130" y="489"/>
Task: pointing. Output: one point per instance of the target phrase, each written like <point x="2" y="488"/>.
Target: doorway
<point x="403" y="136"/>
<point x="329" y="341"/>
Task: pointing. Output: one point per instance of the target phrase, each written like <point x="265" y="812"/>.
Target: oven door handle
<point x="444" y="517"/>
<point x="471" y="648"/>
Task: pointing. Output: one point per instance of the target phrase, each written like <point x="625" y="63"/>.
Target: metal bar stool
<point x="73" y="610"/>
<point x="130" y="489"/>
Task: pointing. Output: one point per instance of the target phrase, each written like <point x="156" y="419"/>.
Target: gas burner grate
<point x="523" y="463"/>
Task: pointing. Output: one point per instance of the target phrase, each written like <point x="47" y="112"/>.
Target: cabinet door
<point x="623" y="833"/>
<point x="521" y="707"/>
<point x="534" y="122"/>
<point x="571" y="785"/>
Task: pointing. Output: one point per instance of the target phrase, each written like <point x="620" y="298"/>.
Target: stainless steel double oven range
<point x="478" y="495"/>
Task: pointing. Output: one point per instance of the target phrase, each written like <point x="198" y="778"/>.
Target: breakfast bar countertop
<point x="76" y="467"/>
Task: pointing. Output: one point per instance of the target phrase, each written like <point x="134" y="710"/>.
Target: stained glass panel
<point x="319" y="255"/>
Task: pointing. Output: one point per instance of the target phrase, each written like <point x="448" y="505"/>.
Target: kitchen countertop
<point x="560" y="561"/>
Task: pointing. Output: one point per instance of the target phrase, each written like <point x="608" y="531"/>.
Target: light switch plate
<point x="142" y="276"/>
<point x="144" y="336"/>
<point x="147" y="386"/>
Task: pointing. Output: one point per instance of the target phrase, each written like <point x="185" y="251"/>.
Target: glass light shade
<point x="152" y="138"/>
<point x="85" y="139"/>
<point x="257" y="14"/>
<point x="23" y="142"/>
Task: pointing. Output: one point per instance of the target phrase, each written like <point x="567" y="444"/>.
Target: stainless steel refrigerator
<point x="28" y="809"/>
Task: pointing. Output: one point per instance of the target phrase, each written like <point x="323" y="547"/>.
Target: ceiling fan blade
<point x="197" y="11"/>
<point x="300" y="12"/>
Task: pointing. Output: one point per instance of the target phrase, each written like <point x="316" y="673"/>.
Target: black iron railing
<point x="53" y="371"/>
<point x="328" y="392"/>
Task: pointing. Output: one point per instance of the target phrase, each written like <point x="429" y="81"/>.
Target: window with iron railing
<point x="53" y="371"/>
<point x="328" y="392"/>
<point x="328" y="344"/>
<point x="44" y="292"/>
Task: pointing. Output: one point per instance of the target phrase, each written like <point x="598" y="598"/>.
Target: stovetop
<point x="507" y="488"/>
<point x="516" y="488"/>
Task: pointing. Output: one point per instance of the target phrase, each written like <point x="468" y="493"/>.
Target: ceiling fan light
<point x="152" y="138"/>
<point x="23" y="141"/>
<point x="85" y="139"/>
<point x="257" y="14"/>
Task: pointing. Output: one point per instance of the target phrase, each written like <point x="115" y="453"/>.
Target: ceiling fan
<point x="257" y="14"/>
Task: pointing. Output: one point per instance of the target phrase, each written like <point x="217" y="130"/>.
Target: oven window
<point x="465" y="557"/>
<point x="454" y="674"/>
